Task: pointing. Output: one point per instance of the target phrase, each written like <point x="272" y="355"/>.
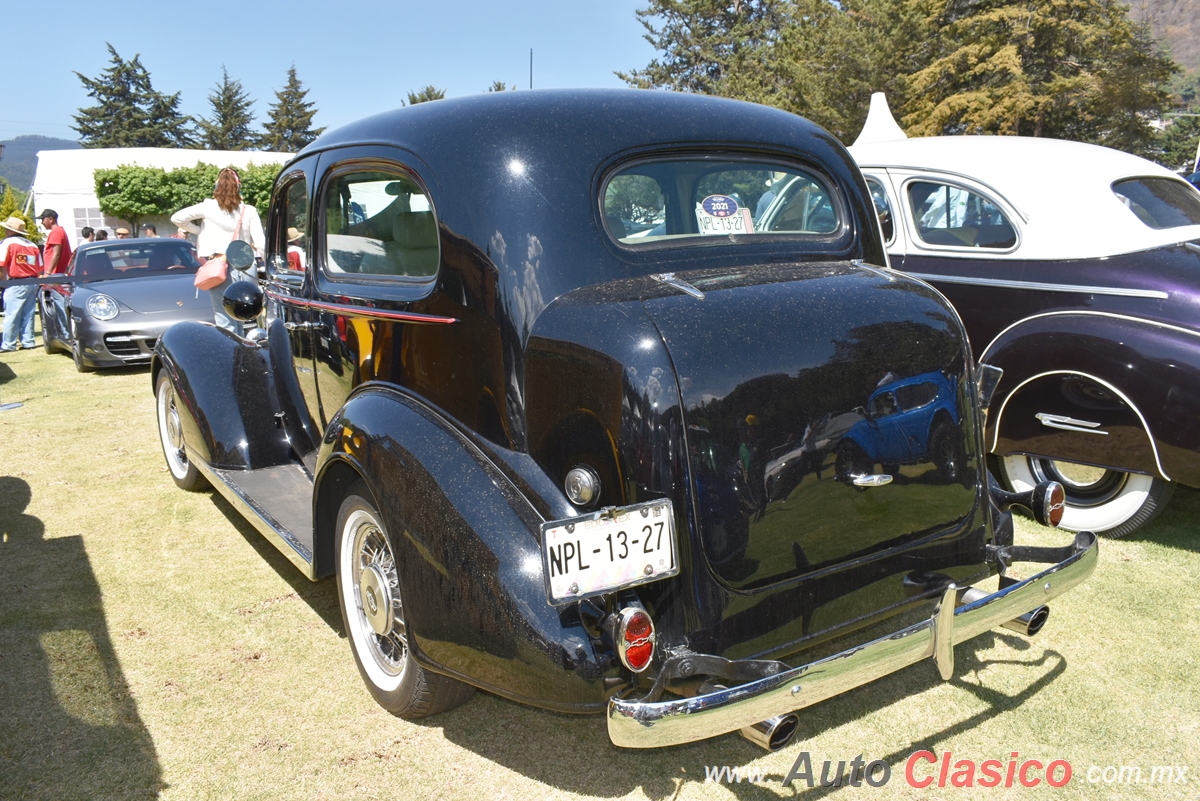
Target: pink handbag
<point x="214" y="271"/>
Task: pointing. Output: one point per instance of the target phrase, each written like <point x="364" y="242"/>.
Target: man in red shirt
<point x="57" y="255"/>
<point x="19" y="258"/>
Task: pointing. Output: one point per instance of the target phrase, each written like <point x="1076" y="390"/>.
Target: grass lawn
<point x="153" y="644"/>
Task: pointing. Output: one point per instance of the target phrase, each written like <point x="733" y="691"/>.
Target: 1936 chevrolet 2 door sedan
<point x="518" y="366"/>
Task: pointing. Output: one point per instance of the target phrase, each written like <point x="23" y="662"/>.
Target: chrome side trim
<point x="1070" y="424"/>
<point x="873" y="480"/>
<point x="1106" y="385"/>
<point x="284" y="540"/>
<point x="637" y="724"/>
<point x="1074" y="288"/>
<point x="1110" y="315"/>
<point x="678" y="283"/>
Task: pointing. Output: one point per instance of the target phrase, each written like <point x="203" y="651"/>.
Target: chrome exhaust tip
<point x="1030" y="623"/>
<point x="774" y="733"/>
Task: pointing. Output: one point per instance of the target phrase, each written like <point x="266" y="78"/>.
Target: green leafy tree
<point x="10" y="206"/>
<point x="1071" y="69"/>
<point x="131" y="193"/>
<point x="231" y="125"/>
<point x="289" y="127"/>
<point x="702" y="41"/>
<point x="128" y="111"/>
<point x="1179" y="142"/>
<point x="500" y="86"/>
<point x="425" y="95"/>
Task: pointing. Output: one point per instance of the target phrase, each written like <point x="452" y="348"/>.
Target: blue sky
<point x="356" y="57"/>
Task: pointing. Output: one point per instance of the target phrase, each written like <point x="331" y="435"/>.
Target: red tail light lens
<point x="635" y="639"/>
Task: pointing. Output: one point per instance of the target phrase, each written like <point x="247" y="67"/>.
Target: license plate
<point x="609" y="549"/>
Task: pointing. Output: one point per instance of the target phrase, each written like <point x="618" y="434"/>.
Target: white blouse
<point x="215" y="231"/>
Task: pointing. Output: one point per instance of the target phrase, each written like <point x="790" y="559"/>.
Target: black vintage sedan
<point x="124" y="294"/>
<point x="521" y="365"/>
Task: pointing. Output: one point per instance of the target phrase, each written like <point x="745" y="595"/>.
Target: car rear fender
<point x="1104" y="389"/>
<point x="467" y="542"/>
<point x="226" y="386"/>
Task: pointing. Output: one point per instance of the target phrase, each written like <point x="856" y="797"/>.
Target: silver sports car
<point x="126" y="293"/>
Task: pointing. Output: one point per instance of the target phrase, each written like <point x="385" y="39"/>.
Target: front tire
<point x="1111" y="503"/>
<point x="170" y="434"/>
<point x="368" y="583"/>
<point x="77" y="355"/>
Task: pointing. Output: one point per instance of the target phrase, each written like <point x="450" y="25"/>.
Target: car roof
<point x="1054" y="185"/>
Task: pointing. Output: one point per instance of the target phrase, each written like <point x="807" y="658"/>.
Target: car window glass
<point x="883" y="404"/>
<point x="294" y="229"/>
<point x="957" y="217"/>
<point x="680" y="198"/>
<point x="378" y="223"/>
<point x="915" y="396"/>
<point x="1160" y="202"/>
<point x="882" y="208"/>
<point x="131" y="261"/>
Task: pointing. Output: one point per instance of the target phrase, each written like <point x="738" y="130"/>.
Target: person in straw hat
<point x="19" y="258"/>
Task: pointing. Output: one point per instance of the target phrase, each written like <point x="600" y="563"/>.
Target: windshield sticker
<point x="721" y="215"/>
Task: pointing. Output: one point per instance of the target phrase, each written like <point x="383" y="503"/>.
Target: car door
<point x="965" y="240"/>
<point x="289" y="317"/>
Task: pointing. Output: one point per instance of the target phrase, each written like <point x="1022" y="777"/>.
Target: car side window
<point x="1160" y="202"/>
<point x="378" y="222"/>
<point x="883" y="208"/>
<point x="295" y="229"/>
<point x="954" y="216"/>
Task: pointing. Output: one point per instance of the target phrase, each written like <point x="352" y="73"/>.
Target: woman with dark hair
<point x="222" y="219"/>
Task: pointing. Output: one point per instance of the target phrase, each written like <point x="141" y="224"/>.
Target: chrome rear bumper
<point x="636" y="724"/>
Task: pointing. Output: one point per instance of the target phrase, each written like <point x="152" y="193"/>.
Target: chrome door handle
<point x="874" y="480"/>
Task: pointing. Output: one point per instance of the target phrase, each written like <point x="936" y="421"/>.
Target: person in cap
<point x="148" y="230"/>
<point x="122" y="233"/>
<point x="19" y="258"/>
<point x="56" y="255"/>
<point x="295" y="251"/>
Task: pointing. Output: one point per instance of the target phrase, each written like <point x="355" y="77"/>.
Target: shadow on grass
<point x="6" y="373"/>
<point x="321" y="596"/>
<point x="1175" y="526"/>
<point x="573" y="754"/>
<point x="70" y="728"/>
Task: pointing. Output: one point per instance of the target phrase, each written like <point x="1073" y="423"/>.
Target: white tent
<point x="63" y="180"/>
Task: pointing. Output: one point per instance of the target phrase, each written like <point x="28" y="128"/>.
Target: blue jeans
<point x="19" y="305"/>
<point x="217" y="295"/>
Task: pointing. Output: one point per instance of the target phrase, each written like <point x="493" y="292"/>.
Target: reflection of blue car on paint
<point x="909" y="421"/>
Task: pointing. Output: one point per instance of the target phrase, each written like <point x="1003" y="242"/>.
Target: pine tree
<point x="129" y="112"/>
<point x="232" y="117"/>
<point x="425" y="95"/>
<point x="290" y="126"/>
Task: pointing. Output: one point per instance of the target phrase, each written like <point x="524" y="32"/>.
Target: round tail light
<point x="635" y="639"/>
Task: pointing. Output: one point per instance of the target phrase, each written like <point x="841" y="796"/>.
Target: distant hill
<point x="20" y="157"/>
<point x="1177" y="24"/>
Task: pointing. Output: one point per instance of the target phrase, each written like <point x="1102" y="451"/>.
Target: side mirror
<point x="243" y="300"/>
<point x="239" y="255"/>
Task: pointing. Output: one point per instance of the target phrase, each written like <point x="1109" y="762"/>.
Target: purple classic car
<point x="1076" y="270"/>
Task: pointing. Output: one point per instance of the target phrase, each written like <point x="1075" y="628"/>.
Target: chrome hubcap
<point x="376" y="601"/>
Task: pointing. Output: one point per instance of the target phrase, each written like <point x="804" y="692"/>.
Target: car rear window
<point x="712" y="200"/>
<point x="1160" y="202"/>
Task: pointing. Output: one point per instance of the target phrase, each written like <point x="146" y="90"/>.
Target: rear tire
<point x="1111" y="503"/>
<point x="170" y="434"/>
<point x="369" y="594"/>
